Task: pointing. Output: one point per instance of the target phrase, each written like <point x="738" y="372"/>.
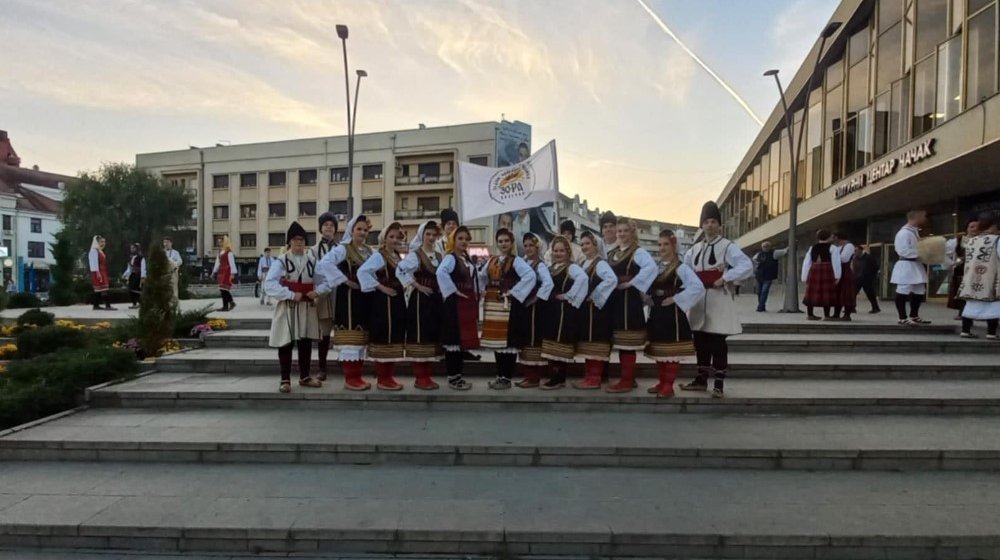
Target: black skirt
<point x="593" y="332"/>
<point x="386" y="326"/>
<point x="352" y="309"/>
<point x="423" y="326"/>
<point x="559" y="340"/>
<point x="628" y="319"/>
<point x="135" y="282"/>
<point x="669" y="332"/>
<point x="460" y="322"/>
<point x="525" y="328"/>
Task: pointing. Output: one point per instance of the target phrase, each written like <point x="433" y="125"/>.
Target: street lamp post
<point x="343" y="33"/>
<point x="794" y="151"/>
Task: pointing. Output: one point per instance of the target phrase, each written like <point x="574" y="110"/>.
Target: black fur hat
<point x="295" y="230"/>
<point x="710" y="210"/>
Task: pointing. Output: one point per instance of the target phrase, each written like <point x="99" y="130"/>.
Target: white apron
<point x="716" y="312"/>
<point x="294" y="321"/>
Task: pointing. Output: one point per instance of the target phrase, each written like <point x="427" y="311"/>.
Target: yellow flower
<point x="7" y="350"/>
<point x="3" y="368"/>
<point x="217" y="324"/>
<point x="101" y="325"/>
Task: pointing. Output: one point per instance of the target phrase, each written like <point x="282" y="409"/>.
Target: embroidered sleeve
<point x="406" y="268"/>
<point x="647" y="270"/>
<point x="366" y="272"/>
<point x="693" y="290"/>
<point x="444" y="271"/>
<point x="546" y="286"/>
<point x="609" y="281"/>
<point x="272" y="284"/>
<point x="581" y="283"/>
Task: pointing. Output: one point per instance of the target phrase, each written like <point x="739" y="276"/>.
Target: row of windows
<point x="277" y="239"/>
<point x="901" y="74"/>
<point x="35" y="224"/>
<point x="306" y="177"/>
<point x="277" y="209"/>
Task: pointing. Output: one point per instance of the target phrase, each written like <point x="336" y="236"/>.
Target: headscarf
<point x="345" y="239"/>
<point x="538" y="241"/>
<point x="418" y="239"/>
<point x="386" y="230"/>
<point x="96" y="243"/>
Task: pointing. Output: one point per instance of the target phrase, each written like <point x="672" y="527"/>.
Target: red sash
<point x="298" y="287"/>
<point x="709" y="277"/>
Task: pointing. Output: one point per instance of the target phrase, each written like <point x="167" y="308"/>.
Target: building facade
<point x="903" y="113"/>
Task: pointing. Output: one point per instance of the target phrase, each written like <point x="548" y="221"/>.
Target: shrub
<point x="61" y="292"/>
<point x="187" y="321"/>
<point x="45" y="340"/>
<point x="36" y="317"/>
<point x="52" y="383"/>
<point x="158" y="314"/>
<point x="23" y="300"/>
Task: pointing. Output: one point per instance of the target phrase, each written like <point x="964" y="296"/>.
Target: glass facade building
<point x="903" y="112"/>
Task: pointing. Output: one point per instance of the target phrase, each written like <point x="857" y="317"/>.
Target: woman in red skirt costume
<point x="569" y="290"/>
<point x="225" y="271"/>
<point x="507" y="279"/>
<point x="594" y="334"/>
<point x="387" y="322"/>
<point x="635" y="269"/>
<point x="423" y="311"/>
<point x="820" y="272"/>
<point x="674" y="291"/>
<point x="458" y="281"/>
<point x="99" y="273"/>
<point x="847" y="295"/>
<point x="527" y="318"/>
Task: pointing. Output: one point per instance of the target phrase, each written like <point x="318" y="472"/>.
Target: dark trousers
<point x="712" y="350"/>
<point x="104" y="297"/>
<point x="305" y="357"/>
<point x="324" y="351"/>
<point x="227" y="298"/>
<point x="826" y="311"/>
<point x="915" y="301"/>
<point x="869" y="287"/>
<point x="991" y="326"/>
<point x="453" y="365"/>
<point x="763" y="289"/>
<point x="506" y="363"/>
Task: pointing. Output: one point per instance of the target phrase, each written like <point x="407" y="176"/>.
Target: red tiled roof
<point x="11" y="184"/>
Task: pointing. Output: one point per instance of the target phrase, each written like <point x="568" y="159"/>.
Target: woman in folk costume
<point x="635" y="270"/>
<point x="325" y="304"/>
<point x="527" y="318"/>
<point x="674" y="291"/>
<point x="594" y="332"/>
<point x="291" y="281"/>
<point x="135" y="274"/>
<point x="423" y="310"/>
<point x="352" y="305"/>
<point x="225" y="271"/>
<point x="955" y="251"/>
<point x="821" y="271"/>
<point x="387" y="322"/>
<point x="719" y="264"/>
<point x="505" y="277"/>
<point x="99" y="273"/>
<point x="570" y="286"/>
<point x="458" y="279"/>
<point x="847" y="299"/>
<point x="981" y="282"/>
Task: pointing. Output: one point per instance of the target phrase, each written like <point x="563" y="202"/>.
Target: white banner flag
<point x="488" y="191"/>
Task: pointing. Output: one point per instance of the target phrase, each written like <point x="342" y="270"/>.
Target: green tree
<point x="61" y="291"/>
<point x="124" y="205"/>
<point x="157" y="314"/>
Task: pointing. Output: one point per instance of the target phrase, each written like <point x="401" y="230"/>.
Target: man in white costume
<point x="909" y="274"/>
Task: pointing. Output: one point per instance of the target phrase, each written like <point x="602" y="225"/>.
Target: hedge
<point x="36" y="317"/>
<point x="48" y="339"/>
<point x="23" y="300"/>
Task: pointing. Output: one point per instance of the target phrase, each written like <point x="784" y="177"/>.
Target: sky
<point x="640" y="127"/>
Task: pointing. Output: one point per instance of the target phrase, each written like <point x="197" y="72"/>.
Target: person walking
<point x="821" y="273"/>
<point x="99" y="278"/>
<point x="225" y="271"/>
<point x="135" y="274"/>
<point x="766" y="263"/>
<point x="866" y="277"/>
<point x="263" y="265"/>
<point x="909" y="275"/>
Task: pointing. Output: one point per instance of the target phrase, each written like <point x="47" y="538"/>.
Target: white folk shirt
<point x="908" y="272"/>
<point x="293" y="320"/>
<point x="847" y="251"/>
<point x="716" y="313"/>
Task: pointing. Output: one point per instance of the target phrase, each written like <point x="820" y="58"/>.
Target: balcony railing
<point x="417" y="214"/>
<point x="424" y="180"/>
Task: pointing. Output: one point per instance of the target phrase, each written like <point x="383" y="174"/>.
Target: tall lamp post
<point x="795" y="150"/>
<point x="352" y="116"/>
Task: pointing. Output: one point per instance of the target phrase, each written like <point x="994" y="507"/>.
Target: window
<point x="248" y="240"/>
<point x="480" y="160"/>
<point x="369" y="172"/>
<point x="833" y="126"/>
<point x="429" y="170"/>
<point x="372" y="238"/>
<point x="908" y="24"/>
<point x="248" y="180"/>
<point x="7" y="222"/>
<point x="310" y="238"/>
<point x="276" y="210"/>
<point x="980" y="70"/>
<point x="338" y="175"/>
<point x="36" y="249"/>
<point x="976" y="5"/>
<point x="275" y="239"/>
<point x="881" y="140"/>
<point x="404" y="203"/>
<point x="949" y="80"/>
<point x="814" y="145"/>
<point x="899" y="109"/>
<point x="36" y="225"/>
<point x="889" y="13"/>
<point x="890" y="58"/>
<point x="307" y="176"/>
<point x="922" y="117"/>
<point x="858" y="47"/>
<point x="248" y="211"/>
<point x="220" y="212"/>
<point x="428" y="203"/>
<point x="220" y="181"/>
<point x="277" y="178"/>
<point x="338" y="207"/>
<point x="307" y="208"/>
<point x="217" y="239"/>
<point x="932" y="26"/>
<point x="371" y="206"/>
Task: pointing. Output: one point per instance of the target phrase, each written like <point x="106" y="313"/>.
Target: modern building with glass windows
<point x="903" y="113"/>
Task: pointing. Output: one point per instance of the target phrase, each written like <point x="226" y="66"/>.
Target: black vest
<point x="767" y="269"/>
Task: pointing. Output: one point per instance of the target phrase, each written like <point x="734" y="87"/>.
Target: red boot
<point x="352" y="376"/>
<point x="592" y="377"/>
<point x="627" y="382"/>
<point x="532" y="377"/>
<point x="422" y="373"/>
<point x="668" y="374"/>
<point x="384" y="379"/>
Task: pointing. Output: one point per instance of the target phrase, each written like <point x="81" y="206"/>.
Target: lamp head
<point x="342" y="31"/>
<point x="362" y="74"/>
<point x="773" y="72"/>
<point x="830" y="29"/>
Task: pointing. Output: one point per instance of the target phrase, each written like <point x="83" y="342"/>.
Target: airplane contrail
<point x="694" y="57"/>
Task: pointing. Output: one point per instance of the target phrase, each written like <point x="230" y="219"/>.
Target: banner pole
<point x="555" y="179"/>
<point x="458" y="191"/>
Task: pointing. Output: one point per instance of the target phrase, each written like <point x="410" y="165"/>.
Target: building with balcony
<point x="903" y="113"/>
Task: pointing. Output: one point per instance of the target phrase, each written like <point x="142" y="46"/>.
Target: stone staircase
<point x="879" y="442"/>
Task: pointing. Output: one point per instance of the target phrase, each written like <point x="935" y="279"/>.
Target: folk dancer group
<point x="827" y="271"/>
<point x="386" y="308"/>
<point x="134" y="274"/>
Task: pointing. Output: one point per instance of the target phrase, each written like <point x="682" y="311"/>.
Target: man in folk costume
<point x="567" y="229"/>
<point x="505" y="277"/>
<point x="981" y="281"/>
<point x="635" y="270"/>
<point x="593" y="342"/>
<point x="135" y="274"/>
<point x="909" y="274"/>
<point x="719" y="264"/>
<point x="352" y="305"/>
<point x="423" y="311"/>
<point x="955" y="251"/>
<point x="449" y="223"/>
<point x="387" y="321"/>
<point x="527" y="318"/>
<point x="674" y="291"/>
<point x="458" y="281"/>
<point x="609" y="233"/>
<point x="99" y="273"/>
<point x="174" y="263"/>
<point x="846" y="295"/>
<point x="291" y="281"/>
<point x="225" y="270"/>
<point x="325" y="304"/>
<point x="821" y="272"/>
<point x="570" y="287"/>
<point x="263" y="265"/>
